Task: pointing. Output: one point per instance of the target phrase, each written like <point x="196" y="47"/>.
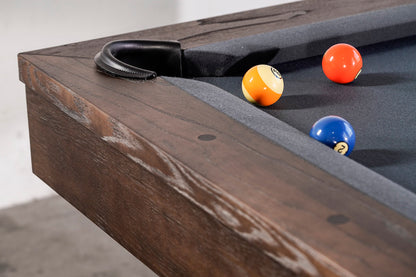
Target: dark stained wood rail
<point x="201" y="32"/>
<point x="128" y="155"/>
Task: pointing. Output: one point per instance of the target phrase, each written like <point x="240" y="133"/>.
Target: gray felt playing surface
<point x="380" y="105"/>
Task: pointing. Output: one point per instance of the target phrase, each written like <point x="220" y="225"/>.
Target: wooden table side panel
<point x="276" y="244"/>
<point x="144" y="213"/>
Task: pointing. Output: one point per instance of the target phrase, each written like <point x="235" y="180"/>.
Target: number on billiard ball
<point x="262" y="85"/>
<point x="335" y="132"/>
<point x="342" y="63"/>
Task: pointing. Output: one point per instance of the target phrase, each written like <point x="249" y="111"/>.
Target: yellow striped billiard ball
<point x="262" y="85"/>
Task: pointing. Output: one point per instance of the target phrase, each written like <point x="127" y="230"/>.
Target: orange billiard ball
<point x="262" y="85"/>
<point x="342" y="63"/>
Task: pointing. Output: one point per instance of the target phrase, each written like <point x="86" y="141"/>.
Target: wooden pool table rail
<point x="188" y="190"/>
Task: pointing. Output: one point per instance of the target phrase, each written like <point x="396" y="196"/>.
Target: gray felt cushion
<point x="345" y="168"/>
<point x="235" y="56"/>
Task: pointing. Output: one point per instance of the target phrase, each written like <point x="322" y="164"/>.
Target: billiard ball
<point x="342" y="63"/>
<point x="262" y="85"/>
<point x="335" y="132"/>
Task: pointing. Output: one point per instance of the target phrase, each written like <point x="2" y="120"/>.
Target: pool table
<point x="194" y="180"/>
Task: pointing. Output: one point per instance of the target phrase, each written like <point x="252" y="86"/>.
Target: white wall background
<point x="28" y="25"/>
<point x="194" y="9"/>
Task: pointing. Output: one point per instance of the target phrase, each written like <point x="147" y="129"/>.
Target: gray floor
<point x="50" y="238"/>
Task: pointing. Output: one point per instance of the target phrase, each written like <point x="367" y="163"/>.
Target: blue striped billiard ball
<point x="335" y="132"/>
